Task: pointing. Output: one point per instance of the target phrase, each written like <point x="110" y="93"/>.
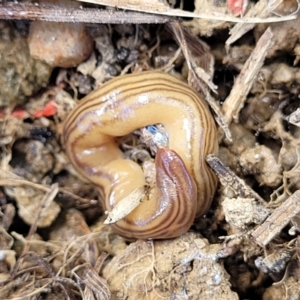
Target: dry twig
<point x="280" y="217"/>
<point x="235" y="101"/>
<point x="51" y="13"/>
<point x="228" y="178"/>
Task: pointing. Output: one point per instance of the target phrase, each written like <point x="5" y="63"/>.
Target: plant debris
<point x="243" y="58"/>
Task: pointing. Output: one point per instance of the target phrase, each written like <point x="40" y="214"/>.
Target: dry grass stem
<point x="157" y="7"/>
<point x="51" y="13"/>
<point x="9" y="179"/>
<point x="95" y="286"/>
<point x="45" y="202"/>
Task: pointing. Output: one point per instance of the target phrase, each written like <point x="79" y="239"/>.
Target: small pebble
<point x="60" y="44"/>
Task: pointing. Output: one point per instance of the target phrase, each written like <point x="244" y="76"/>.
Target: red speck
<point x="237" y="7"/>
<point x="49" y="110"/>
<point x="18" y="113"/>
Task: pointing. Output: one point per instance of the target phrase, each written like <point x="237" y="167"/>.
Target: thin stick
<point x="235" y="101"/>
<point x="280" y="217"/>
<point x="228" y="178"/>
<point x="51" y="13"/>
<point x="45" y="203"/>
<point x="18" y="181"/>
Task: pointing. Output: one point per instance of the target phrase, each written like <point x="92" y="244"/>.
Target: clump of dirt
<point x="21" y="76"/>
